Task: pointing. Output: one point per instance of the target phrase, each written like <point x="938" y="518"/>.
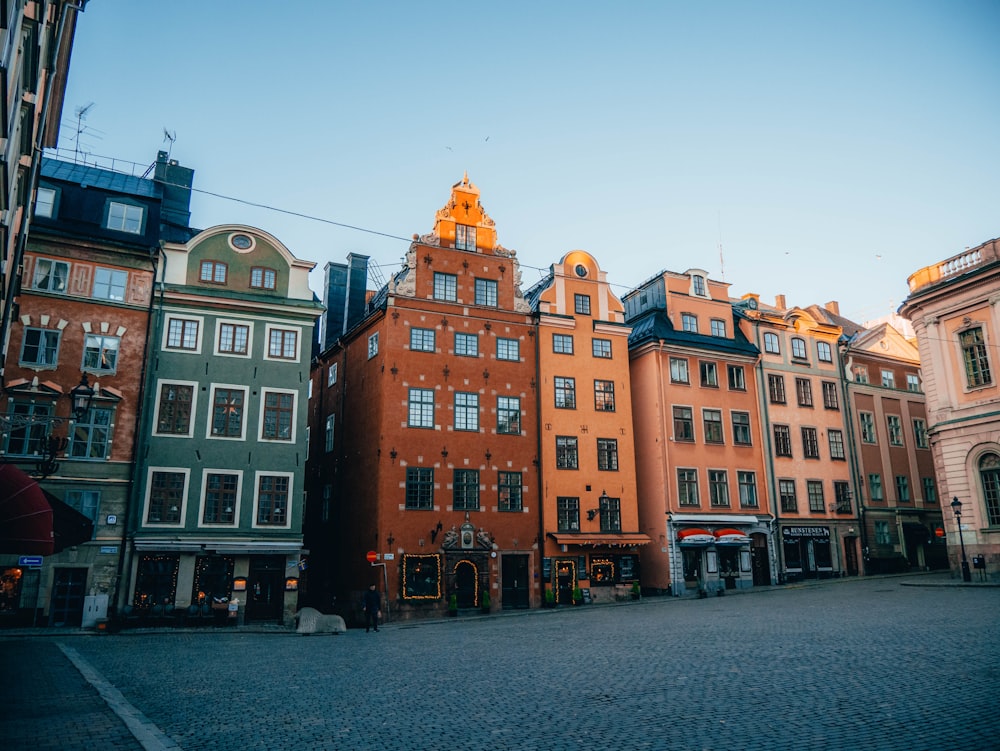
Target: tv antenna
<point x="81" y="115"/>
<point x="169" y="136"/>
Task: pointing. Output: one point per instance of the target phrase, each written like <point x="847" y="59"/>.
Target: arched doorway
<point x="466" y="584"/>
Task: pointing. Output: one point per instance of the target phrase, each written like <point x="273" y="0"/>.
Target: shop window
<point x="156" y="581"/>
<point x="213" y="579"/>
<point x="421" y="577"/>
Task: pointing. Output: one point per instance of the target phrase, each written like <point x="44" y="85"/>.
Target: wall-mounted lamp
<point x="488" y="455"/>
<point x="240" y="584"/>
<point x="82" y="395"/>
<point x="291" y="584"/>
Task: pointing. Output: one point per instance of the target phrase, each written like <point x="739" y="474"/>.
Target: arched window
<point x="989" y="475"/>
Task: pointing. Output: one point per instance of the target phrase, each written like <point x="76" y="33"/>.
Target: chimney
<point x="833" y="307"/>
<point x="357" y="288"/>
<point x="175" y="185"/>
<point x="779" y="302"/>
<point x="345" y="298"/>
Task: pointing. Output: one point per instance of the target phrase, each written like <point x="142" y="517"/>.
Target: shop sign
<point x="818" y="532"/>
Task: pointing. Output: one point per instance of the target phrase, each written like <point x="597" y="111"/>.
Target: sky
<point x="820" y="150"/>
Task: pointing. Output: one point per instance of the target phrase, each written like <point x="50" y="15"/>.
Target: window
<point x="50" y="276"/>
<point x="882" y="536"/>
<point x="830" y="395"/>
<point x="683" y="424"/>
<point x="888" y="379"/>
<point x="709" y="374"/>
<point x="166" y="497"/>
<point x="182" y="334"/>
<point x="814" y="489"/>
<point x="234" y="339"/>
<point x="803" y="391"/>
<point x="611" y="515"/>
<point x="421" y="408"/>
<point x="328" y="434"/>
<point x="156" y="580"/>
<point x="568" y="514"/>
<point x="782" y="440"/>
<point x="903" y="488"/>
<point x="786" y="494"/>
<point x="712" y="419"/>
<point x="509" y="491"/>
<point x="214" y="272"/>
<point x="581" y="304"/>
<point x="221" y="495"/>
<point x="861" y="374"/>
<point x="912" y="382"/>
<point x="604" y="396"/>
<point x="421" y="577"/>
<point x="445" y="287"/>
<point x="466" y="411"/>
<point x="467" y="345"/>
<point x="45" y="202"/>
<point x="465" y="490"/>
<point x="602" y="348"/>
<point x="173" y="415"/>
<point x="567" y="454"/>
<point x="810" y="443"/>
<point x="372" y="345"/>
<point x="565" y="392"/>
<point x="607" y="454"/>
<point x="824" y="352"/>
<point x="698" y="286"/>
<point x="283" y="344"/>
<point x="718" y="327"/>
<point x="679" y="370"/>
<point x="227" y="413"/>
<point x="798" y="348"/>
<point x="272" y="500"/>
<point x="422" y="340"/>
<point x="109" y="284"/>
<point x="562" y="344"/>
<point x="486" y="292"/>
<point x="718" y="487"/>
<point x="40" y="347"/>
<point x="419" y="488"/>
<point x="465" y="237"/>
<point x="331" y="375"/>
<point x="279" y="416"/>
<point x="508" y="349"/>
<point x="975" y="357"/>
<point x="261" y="278"/>
<point x="687" y="487"/>
<point x="772" y="344"/>
<point x="842" y="495"/>
<point x="776" y="388"/>
<point x="875" y="487"/>
<point x="748" y="488"/>
<point x="920" y="433"/>
<point x="689" y="323"/>
<point x="895" y="430"/>
<point x="125" y="218"/>
<point x="741" y="428"/>
<point x="930" y="490"/>
<point x="87" y="502"/>
<point x="737" y="380"/>
<point x="836" y="440"/>
<point x="867" y="420"/>
<point x="508" y="415"/>
<point x="91" y="435"/>
<point x="989" y="476"/>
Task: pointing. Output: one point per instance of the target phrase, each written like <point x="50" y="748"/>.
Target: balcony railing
<point x="957" y="264"/>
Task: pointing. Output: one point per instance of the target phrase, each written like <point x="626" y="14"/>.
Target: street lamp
<point x="82" y="395"/>
<point x="956" y="506"/>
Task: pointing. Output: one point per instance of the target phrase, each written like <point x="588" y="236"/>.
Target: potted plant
<point x="484" y="604"/>
<point x="550" y="598"/>
<point x="577" y="596"/>
<point x="636" y="592"/>
<point x="453" y="606"/>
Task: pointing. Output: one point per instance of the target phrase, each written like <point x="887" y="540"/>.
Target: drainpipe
<point x="857" y="481"/>
<point x="538" y="450"/>
<point x="769" y="453"/>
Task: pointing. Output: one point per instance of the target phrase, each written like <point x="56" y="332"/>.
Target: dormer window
<point x="45" y="202"/>
<point x="698" y="286"/>
<point x="465" y="237"/>
<point x="124" y="217"/>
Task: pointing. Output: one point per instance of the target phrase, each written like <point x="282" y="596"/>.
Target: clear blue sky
<point x="832" y="148"/>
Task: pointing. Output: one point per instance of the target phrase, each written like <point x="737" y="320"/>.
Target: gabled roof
<point x="95" y="177"/>
<point x="849" y="327"/>
<point x="655" y="325"/>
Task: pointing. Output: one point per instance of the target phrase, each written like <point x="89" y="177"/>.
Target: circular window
<point x="241" y="242"/>
<point x="581" y="270"/>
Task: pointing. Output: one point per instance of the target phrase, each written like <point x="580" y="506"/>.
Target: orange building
<point x="698" y="439"/>
<point x="588" y="496"/>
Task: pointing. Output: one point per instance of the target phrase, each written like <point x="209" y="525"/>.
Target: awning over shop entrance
<point x="607" y="539"/>
<point x="33" y="521"/>
<point x="695" y="536"/>
<point x="729" y="536"/>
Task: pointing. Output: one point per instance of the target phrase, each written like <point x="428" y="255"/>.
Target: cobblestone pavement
<point x="870" y="664"/>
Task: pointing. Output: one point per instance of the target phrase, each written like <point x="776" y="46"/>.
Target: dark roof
<point x="655" y="325"/>
<point x="83" y="174"/>
<point x="849" y="327"/>
<point x="534" y="293"/>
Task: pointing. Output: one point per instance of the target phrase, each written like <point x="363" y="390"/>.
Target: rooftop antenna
<point x="81" y="115"/>
<point x="169" y="136"/>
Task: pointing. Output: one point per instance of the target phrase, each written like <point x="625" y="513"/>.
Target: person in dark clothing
<point x="373" y="608"/>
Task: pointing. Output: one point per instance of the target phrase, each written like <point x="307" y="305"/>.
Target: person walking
<point x="373" y="608"/>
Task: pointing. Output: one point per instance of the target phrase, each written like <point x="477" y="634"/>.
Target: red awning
<point x="695" y="536"/>
<point x="730" y="536"/>
<point x="25" y="514"/>
<point x="730" y="533"/>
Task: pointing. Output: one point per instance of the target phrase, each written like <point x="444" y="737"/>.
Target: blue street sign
<point x="31" y="561"/>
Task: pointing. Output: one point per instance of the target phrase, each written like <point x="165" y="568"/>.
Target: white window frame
<point x="330" y="433"/>
<point x="372" y="345"/>
<point x="211" y="411"/>
<point x="268" y="328"/>
<point x="198" y="339"/>
<point x="261" y="410"/>
<point x="256" y="498"/>
<point x="204" y="492"/>
<point x="45" y="208"/>
<point x="179" y="524"/>
<point x="824" y="352"/>
<point x="772" y="343"/>
<point x="331" y="374"/>
<point x="718" y="327"/>
<point x="160" y="383"/>
<point x="122" y="223"/>
<point x="218" y="337"/>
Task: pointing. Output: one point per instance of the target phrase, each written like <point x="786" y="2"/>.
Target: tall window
<point x="830" y="395"/>
<point x="824" y="352"/>
<point x="567" y="452"/>
<point x="214" y="272"/>
<point x="882" y="534"/>
<point x="786" y="493"/>
<point x="87" y="502"/>
<point x="28" y="438"/>
<point x="50" y="276"/>
<point x="604" y="396"/>
<point x="989" y="476"/>
<point x="45" y="202"/>
<point x="508" y="415"/>
<point x="875" y="487"/>
<point x="737" y="379"/>
<point x="718" y="487"/>
<point x="611" y="515"/>
<point x="888" y="379"/>
<point x="803" y="390"/>
<point x="486" y="292"/>
<point x="565" y="392"/>
<point x="234" y="338"/>
<point x="741" y="428"/>
<point x="568" y="514"/>
<point x="221" y="494"/>
<point x="166" y="497"/>
<point x="782" y="440"/>
<point x="799" y="348"/>
<point x="272" y="500"/>
<point x="679" y="370"/>
<point x="330" y="432"/>
<point x="174" y="414"/>
<point x="912" y="382"/>
<point x="91" y="435"/>
<point x="508" y="349"/>
<point x="748" y="488"/>
<point x="689" y="323"/>
<point x="698" y="286"/>
<point x="465" y="237"/>
<point x="40" y="347"/>
<point x="466" y="411"/>
<point x="836" y="440"/>
<point x="279" y="414"/>
<point x="842" y="495"/>
<point x="976" y="357"/>
<point x="227" y="413"/>
<point x="683" y="424"/>
<point x="509" y="491"/>
<point x="920" y="433"/>
<point x="372" y="345"/>
<point x="895" y="426"/>
<point x="562" y="344"/>
<point x="607" y="454"/>
<point x="930" y="490"/>
<point x="772" y="344"/>
<point x="718" y="327"/>
<point x="467" y="345"/>
<point x="422" y="340"/>
<point x="810" y="443"/>
<point x="861" y="374"/>
<point x="581" y="304"/>
<point x="261" y="278"/>
<point x="331" y="375"/>
<point x="712" y="420"/>
<point x="283" y="344"/>
<point x="814" y="488"/>
<point x="709" y="374"/>
<point x="867" y="420"/>
<point x="903" y="488"/>
<point x="125" y="218"/>
<point x="687" y="487"/>
<point x="109" y="284"/>
<point x="421" y="408"/>
<point x="601" y="348"/>
<point x="776" y="388"/>
<point x="182" y="334"/>
<point x="419" y="487"/>
<point x="445" y="287"/>
<point x="465" y="490"/>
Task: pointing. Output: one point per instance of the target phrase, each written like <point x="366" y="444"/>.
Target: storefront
<point x="807" y="552"/>
<point x="713" y="554"/>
